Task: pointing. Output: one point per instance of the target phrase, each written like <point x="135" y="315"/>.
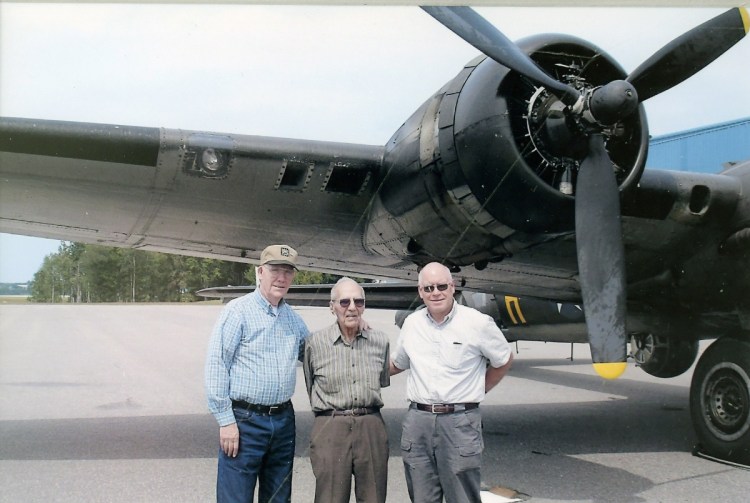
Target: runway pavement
<point x="105" y="403"/>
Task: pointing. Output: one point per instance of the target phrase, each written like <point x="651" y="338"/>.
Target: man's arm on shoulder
<point x="393" y="369"/>
<point x="495" y="374"/>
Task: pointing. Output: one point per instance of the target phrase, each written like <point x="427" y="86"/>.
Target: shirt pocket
<point x="327" y="384"/>
<point x="453" y="354"/>
<point x="373" y="369"/>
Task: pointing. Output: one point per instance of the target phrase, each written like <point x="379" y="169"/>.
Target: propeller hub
<point x="612" y="102"/>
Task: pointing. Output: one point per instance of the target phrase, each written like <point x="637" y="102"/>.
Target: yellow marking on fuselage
<point x="610" y="370"/>
<point x="511" y="304"/>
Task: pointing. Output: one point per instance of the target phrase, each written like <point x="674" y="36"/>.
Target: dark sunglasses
<point x="441" y="287"/>
<point x="346" y="302"/>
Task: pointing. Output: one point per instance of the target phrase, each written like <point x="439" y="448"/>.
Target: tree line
<point x="81" y="272"/>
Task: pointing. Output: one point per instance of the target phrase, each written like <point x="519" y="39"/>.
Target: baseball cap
<point x="279" y="254"/>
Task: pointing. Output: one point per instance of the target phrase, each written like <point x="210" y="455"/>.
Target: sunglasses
<point x="345" y="303"/>
<point x="441" y="287"/>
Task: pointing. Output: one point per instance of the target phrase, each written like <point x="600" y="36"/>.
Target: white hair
<point x="335" y="289"/>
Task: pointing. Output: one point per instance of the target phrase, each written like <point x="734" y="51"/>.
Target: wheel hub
<point x="726" y="401"/>
<point x="644" y="347"/>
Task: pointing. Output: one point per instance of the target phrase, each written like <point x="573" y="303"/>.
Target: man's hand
<point x="363" y="325"/>
<point x="229" y="439"/>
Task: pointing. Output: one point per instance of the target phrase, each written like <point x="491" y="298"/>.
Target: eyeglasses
<point x="441" y="287"/>
<point x="279" y="270"/>
<point x="345" y="303"/>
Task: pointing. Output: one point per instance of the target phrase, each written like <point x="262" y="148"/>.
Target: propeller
<point x="600" y="250"/>
<point x="689" y="53"/>
<point x="473" y="28"/>
<point x="601" y="260"/>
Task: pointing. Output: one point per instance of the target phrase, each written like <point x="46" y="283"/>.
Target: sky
<point x="347" y="74"/>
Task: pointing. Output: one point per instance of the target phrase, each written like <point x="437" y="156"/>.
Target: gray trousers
<point x="342" y="446"/>
<point x="442" y="456"/>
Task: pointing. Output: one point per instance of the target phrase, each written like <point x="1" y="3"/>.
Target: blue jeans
<point x="266" y="454"/>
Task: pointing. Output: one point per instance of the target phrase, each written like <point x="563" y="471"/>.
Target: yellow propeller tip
<point x="610" y="370"/>
<point x="745" y="18"/>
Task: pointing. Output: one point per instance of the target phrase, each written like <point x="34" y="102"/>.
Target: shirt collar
<point x="267" y="306"/>
<point x="336" y="334"/>
<point x="448" y="317"/>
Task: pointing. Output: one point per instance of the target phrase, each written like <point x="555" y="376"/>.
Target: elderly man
<point x="345" y="366"/>
<point x="456" y="354"/>
<point x="250" y="379"/>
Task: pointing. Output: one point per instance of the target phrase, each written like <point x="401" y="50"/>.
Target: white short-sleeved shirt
<point x="448" y="361"/>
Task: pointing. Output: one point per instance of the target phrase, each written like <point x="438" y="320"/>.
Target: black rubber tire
<point x="720" y="400"/>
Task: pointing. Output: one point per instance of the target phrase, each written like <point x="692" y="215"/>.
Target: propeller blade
<point x="601" y="260"/>
<point x="689" y="53"/>
<point x="474" y="29"/>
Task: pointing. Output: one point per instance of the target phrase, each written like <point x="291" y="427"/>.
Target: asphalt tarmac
<point x="105" y="403"/>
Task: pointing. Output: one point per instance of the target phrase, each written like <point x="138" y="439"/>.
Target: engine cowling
<point x="487" y="165"/>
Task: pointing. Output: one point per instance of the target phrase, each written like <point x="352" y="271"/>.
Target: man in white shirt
<point x="456" y="354"/>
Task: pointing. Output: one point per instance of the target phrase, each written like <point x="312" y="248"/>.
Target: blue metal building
<point x="705" y="150"/>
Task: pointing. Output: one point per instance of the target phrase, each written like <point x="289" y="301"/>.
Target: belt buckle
<point x="273" y="409"/>
<point x="433" y="405"/>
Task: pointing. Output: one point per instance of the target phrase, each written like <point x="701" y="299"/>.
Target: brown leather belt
<point x="362" y="411"/>
<point x="445" y="408"/>
<point x="262" y="409"/>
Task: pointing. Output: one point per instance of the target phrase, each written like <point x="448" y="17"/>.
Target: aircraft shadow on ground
<point x="546" y="429"/>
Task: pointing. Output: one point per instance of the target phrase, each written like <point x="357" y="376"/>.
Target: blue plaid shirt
<point x="252" y="355"/>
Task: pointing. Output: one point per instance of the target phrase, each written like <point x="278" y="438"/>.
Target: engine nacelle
<point x="496" y="159"/>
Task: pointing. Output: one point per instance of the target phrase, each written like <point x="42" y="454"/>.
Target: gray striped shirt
<point x="341" y="376"/>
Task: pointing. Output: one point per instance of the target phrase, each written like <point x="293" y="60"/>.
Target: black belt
<point x="445" y="408"/>
<point x="262" y="409"/>
<point x="362" y="411"/>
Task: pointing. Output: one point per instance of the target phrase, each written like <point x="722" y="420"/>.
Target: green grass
<point x="14" y="299"/>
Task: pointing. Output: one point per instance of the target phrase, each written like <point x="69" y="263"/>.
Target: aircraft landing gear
<point x="662" y="356"/>
<point x="720" y="400"/>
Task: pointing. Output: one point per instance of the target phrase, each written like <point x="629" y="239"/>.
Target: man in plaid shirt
<point x="250" y="379"/>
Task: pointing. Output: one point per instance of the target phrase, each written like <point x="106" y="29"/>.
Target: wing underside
<point x="203" y="194"/>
